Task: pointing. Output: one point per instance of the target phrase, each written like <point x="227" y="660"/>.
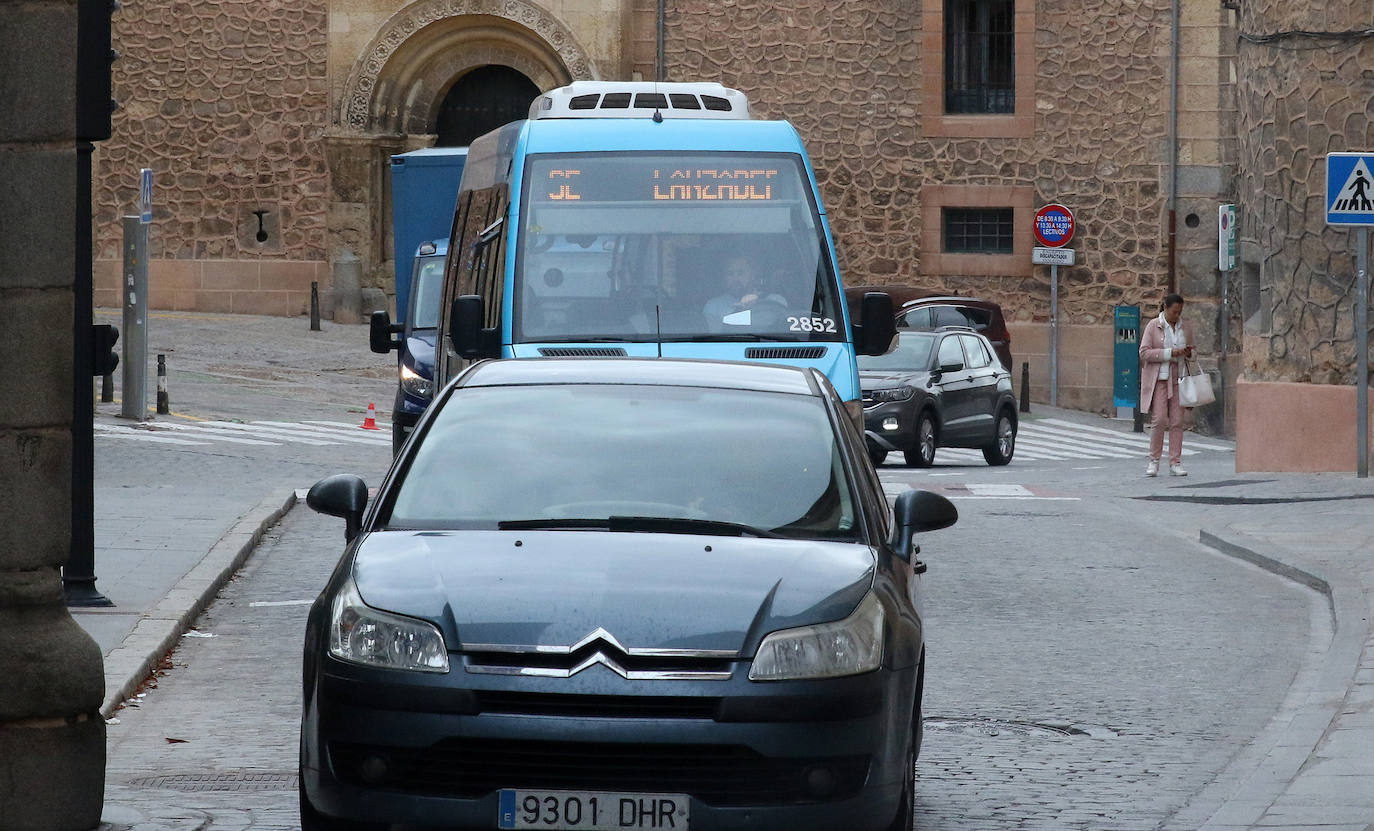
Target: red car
<point x="924" y="310"/>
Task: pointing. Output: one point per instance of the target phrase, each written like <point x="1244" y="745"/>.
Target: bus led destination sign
<point x="670" y="184"/>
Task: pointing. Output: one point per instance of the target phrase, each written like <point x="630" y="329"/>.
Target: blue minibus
<point x="649" y="219"/>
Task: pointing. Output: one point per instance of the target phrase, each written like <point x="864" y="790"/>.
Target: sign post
<point x="1350" y="201"/>
<point x="1226" y="262"/>
<point x="1053" y="229"/>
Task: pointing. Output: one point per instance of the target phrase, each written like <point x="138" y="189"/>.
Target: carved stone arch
<point x="400" y="79"/>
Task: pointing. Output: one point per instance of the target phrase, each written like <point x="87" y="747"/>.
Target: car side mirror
<point x="381" y="333"/>
<point x="342" y="495"/>
<point x="876" y="327"/>
<point x="956" y="367"/>
<point x="470" y="340"/>
<point x="918" y="511"/>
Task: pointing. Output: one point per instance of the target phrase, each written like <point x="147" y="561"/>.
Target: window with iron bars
<point x="978" y="230"/>
<point x="980" y="73"/>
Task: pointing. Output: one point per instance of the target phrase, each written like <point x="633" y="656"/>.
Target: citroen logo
<point x="599" y="656"/>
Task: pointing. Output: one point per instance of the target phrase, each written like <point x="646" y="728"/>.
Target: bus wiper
<point x="723" y="337"/>
<point x="650" y="524"/>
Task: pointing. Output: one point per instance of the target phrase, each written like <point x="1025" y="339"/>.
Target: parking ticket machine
<point x="1126" y="360"/>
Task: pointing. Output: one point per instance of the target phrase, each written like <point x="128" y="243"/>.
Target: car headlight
<point x="415" y="383"/>
<point x="827" y="650"/>
<point x="360" y="634"/>
<point x="901" y="393"/>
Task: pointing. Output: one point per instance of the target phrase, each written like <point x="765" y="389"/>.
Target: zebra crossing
<point x="1054" y="439"/>
<point x="256" y="433"/>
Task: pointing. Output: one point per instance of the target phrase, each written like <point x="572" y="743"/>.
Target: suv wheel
<point x="922" y="453"/>
<point x="1004" y="444"/>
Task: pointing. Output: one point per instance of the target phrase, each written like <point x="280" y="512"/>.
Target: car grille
<point x="794" y="353"/>
<point x="582" y="352"/>
<point x="598" y="706"/>
<point x="722" y="775"/>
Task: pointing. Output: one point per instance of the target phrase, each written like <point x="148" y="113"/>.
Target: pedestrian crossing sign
<point x="1349" y="189"/>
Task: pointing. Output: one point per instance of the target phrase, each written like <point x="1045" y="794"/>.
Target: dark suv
<point x="942" y="388"/>
<point x="982" y="316"/>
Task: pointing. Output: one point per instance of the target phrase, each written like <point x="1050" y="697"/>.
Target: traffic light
<point x="104" y="359"/>
<point x="94" y="57"/>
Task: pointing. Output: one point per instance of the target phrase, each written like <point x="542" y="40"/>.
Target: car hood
<point x="420" y="345"/>
<point x="876" y="379"/>
<point x="646" y="590"/>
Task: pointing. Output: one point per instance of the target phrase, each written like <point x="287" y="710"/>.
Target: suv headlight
<point x="415" y="383"/>
<point x="827" y="650"/>
<point x="361" y="634"/>
<point x="901" y="393"/>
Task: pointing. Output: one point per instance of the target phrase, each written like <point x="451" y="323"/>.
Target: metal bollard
<point x="314" y="306"/>
<point x="1025" y="387"/>
<point x="1139" y="419"/>
<point x="162" y="405"/>
<point x="107" y="388"/>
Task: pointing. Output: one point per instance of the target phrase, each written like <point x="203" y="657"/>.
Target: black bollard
<point x="107" y="387"/>
<point x="1025" y="387"/>
<point x="1139" y="419"/>
<point x="162" y="406"/>
<point x="314" y="306"/>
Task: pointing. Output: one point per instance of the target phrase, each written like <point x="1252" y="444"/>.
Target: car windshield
<point x="767" y="463"/>
<point x="649" y="246"/>
<point x="912" y="354"/>
<point x="425" y="291"/>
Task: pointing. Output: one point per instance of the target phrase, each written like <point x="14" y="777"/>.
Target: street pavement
<point x="174" y="530"/>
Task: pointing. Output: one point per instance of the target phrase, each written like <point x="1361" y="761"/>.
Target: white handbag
<point x="1195" y="389"/>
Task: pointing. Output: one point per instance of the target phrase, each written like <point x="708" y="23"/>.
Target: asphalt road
<point x="1091" y="666"/>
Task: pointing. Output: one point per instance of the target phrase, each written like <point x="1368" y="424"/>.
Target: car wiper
<point x="648" y="524"/>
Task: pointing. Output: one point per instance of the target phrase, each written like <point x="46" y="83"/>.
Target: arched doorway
<point x="482" y="100"/>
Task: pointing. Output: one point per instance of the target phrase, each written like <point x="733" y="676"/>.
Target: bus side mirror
<point x="470" y="340"/>
<point x="876" y="328"/>
<point x="379" y="335"/>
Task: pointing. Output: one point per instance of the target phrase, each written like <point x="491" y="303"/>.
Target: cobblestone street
<point x="1072" y="683"/>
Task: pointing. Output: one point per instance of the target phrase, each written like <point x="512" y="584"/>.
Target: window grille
<point x="978" y="230"/>
<point x="980" y="73"/>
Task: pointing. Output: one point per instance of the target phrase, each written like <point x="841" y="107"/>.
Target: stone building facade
<point x="1305" y="88"/>
<point x="270" y="126"/>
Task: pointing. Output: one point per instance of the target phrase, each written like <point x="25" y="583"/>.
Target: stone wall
<point x="227" y="102"/>
<point x="1299" y="98"/>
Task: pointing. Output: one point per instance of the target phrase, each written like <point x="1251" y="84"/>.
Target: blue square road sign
<point x="1349" y="189"/>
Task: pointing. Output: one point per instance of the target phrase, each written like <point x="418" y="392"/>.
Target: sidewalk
<point x="165" y="549"/>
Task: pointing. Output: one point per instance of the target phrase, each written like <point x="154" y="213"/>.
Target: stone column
<point x="358" y="220"/>
<point x="52" y="738"/>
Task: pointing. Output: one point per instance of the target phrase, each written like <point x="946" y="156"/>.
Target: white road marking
<point x="327" y="433"/>
<point x="260" y="603"/>
<point x="1094" y="429"/>
<point x="141" y="435"/>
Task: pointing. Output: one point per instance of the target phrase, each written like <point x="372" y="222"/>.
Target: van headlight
<point x="827" y="650"/>
<point x="415" y="383"/>
<point x="363" y="635"/>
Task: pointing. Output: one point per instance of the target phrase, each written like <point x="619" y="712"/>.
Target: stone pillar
<point x="359" y="222"/>
<point x="52" y="737"/>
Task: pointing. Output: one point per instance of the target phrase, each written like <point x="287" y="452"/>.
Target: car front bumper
<point x="411" y="750"/>
<point x="879" y="429"/>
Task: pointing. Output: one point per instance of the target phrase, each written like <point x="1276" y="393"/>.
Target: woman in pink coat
<point x="1165" y="343"/>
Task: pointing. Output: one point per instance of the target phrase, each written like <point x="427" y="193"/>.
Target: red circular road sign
<point x="1054" y="226"/>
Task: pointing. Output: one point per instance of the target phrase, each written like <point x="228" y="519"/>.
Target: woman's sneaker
<point x="1152" y="469"/>
<point x="1177" y="470"/>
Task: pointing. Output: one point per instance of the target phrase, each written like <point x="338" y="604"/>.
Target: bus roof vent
<point x="640" y="99"/>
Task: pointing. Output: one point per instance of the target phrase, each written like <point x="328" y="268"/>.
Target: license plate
<point x="592" y="811"/>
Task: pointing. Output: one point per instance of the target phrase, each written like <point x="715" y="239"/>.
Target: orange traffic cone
<point x="370" y="423"/>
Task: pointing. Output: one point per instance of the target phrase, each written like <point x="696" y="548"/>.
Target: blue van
<point x="649" y="219"/>
<point x="424" y="186"/>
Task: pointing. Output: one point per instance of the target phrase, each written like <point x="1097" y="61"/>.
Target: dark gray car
<point x="938" y="389"/>
<point x="590" y="596"/>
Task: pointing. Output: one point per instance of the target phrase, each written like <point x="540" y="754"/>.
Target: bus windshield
<point x="672" y="247"/>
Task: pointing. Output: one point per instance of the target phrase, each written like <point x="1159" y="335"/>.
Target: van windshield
<point x="424" y="292"/>
<point x="686" y="246"/>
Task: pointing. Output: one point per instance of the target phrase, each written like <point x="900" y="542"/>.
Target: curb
<point x="157" y="631"/>
<point x="1243" y="792"/>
